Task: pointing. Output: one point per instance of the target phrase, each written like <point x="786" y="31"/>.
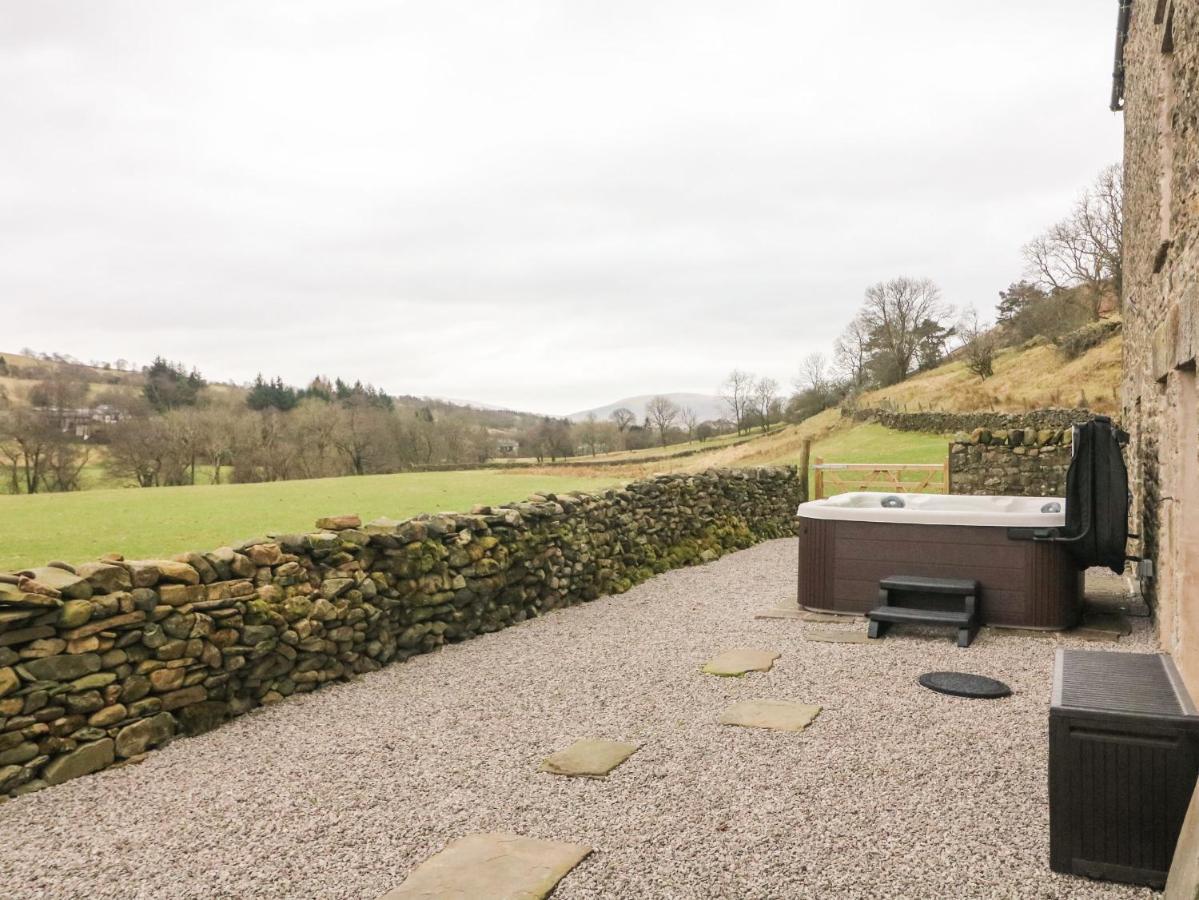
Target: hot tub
<point x="848" y="543"/>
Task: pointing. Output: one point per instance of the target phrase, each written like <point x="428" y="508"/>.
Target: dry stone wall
<point x="934" y="422"/>
<point x="101" y="662"/>
<point x="1011" y="462"/>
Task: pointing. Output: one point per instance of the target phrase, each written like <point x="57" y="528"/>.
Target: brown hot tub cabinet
<point x="1024" y="583"/>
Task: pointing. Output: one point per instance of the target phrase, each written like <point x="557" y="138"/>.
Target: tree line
<point x="179" y="429"/>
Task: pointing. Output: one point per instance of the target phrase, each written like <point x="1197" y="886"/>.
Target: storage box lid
<point x="1144" y="684"/>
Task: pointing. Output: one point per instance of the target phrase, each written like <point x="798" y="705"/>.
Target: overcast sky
<point x="539" y="205"/>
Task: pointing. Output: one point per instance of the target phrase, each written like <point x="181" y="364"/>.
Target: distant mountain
<point x="706" y="406"/>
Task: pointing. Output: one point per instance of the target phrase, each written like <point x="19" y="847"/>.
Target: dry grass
<point x="1024" y="379"/>
<point x="777" y="448"/>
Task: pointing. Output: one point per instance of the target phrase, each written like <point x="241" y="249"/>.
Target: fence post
<point x="805" y="454"/>
<point x="948" y="477"/>
<point x="818" y="493"/>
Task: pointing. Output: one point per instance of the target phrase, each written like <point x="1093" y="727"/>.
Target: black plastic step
<point x="929" y="585"/>
<point x="913" y="614"/>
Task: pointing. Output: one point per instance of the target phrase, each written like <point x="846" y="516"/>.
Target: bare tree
<point x="218" y="429"/>
<point x="899" y="315"/>
<point x="813" y="374"/>
<point x="25" y="436"/>
<point x="186" y="427"/>
<point x="737" y="392"/>
<point x="661" y="412"/>
<point x="144" y="450"/>
<point x="1086" y="247"/>
<point x="622" y="418"/>
<point x="358" y="434"/>
<point x="979" y="344"/>
<point x="588" y="432"/>
<point x="553" y="438"/>
<point x="39" y="452"/>
<point x="690" y="421"/>
<point x="851" y="351"/>
<point x="65" y="461"/>
<point x="765" y="400"/>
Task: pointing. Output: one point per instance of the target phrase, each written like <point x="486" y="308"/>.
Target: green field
<point x="875" y="444"/>
<point x="162" y="521"/>
<point x="872" y="443"/>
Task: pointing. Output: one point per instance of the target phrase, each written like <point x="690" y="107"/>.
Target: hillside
<point x="23" y="372"/>
<point x="105" y="381"/>
<point x="706" y="406"/>
<point x="1030" y="377"/>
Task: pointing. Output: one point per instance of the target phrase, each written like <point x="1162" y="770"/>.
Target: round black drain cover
<point x="962" y="684"/>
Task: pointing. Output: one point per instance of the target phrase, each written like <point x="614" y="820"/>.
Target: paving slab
<point x="496" y="866"/>
<point x="588" y="758"/>
<point x="778" y="715"/>
<point x="1095" y="635"/>
<point x="740" y="660"/>
<point x="1115" y="623"/>
<point x="782" y="612"/>
<point x="832" y="636"/>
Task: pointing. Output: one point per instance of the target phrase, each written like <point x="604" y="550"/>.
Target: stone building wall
<point x="1161" y="307"/>
<point x="1013" y="463"/>
<point x="101" y="662"/>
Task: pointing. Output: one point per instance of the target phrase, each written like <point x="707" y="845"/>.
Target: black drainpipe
<point x="1117" y="103"/>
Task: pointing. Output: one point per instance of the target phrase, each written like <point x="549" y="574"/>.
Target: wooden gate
<point x="894" y="478"/>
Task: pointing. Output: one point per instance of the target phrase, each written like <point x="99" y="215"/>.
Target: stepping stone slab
<point x="1113" y="623"/>
<point x="826" y="618"/>
<point x="740" y="660"/>
<point x="782" y="612"/>
<point x="836" y="637"/>
<point x="779" y="715"/>
<point x="1095" y="635"/>
<point x="495" y="866"/>
<point x="589" y="758"/>
<point x="963" y="684"/>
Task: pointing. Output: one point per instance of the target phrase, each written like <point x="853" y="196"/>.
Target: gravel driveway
<point x="893" y="792"/>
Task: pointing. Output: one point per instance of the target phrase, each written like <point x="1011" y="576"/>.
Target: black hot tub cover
<point x="1096" y="529"/>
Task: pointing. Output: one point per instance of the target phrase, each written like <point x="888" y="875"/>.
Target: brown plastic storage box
<point x="1123" y="760"/>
